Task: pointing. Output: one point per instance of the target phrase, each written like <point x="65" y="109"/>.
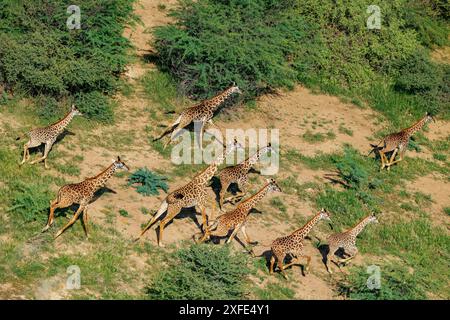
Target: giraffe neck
<point x="64" y="122"/>
<point x="100" y="179"/>
<point x="216" y="101"/>
<point x="303" y="231"/>
<point x="249" y="162"/>
<point x="416" y="127"/>
<point x="359" y="227"/>
<point x="206" y="175"/>
<point x="253" y="200"/>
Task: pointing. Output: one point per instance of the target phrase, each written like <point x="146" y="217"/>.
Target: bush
<point x="217" y="42"/>
<point x="148" y="182"/>
<point x="201" y="272"/>
<point x="30" y="201"/>
<point x="266" y="44"/>
<point x="95" y="105"/>
<point x="39" y="55"/>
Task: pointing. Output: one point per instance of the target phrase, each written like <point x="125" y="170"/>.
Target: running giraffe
<point x="193" y="194"/>
<point x="81" y="193"/>
<point x="235" y="220"/>
<point x="202" y="112"/>
<point x="397" y="143"/>
<point x="239" y="174"/>
<point x="293" y="244"/>
<point x="47" y="135"/>
<point x="347" y="241"/>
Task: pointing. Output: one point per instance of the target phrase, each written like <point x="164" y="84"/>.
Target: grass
<point x="310" y="137"/>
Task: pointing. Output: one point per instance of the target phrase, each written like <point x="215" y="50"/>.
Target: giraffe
<point x="239" y="173"/>
<point x="235" y="220"/>
<point x="201" y="112"/>
<point x="81" y="193"/>
<point x="347" y="241"/>
<point x="397" y="143"/>
<point x="293" y="244"/>
<point x="47" y="135"/>
<point x="193" y="194"/>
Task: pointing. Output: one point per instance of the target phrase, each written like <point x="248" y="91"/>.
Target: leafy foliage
<point x="30" y="201"/>
<point x="216" y="42"/>
<point x="266" y="44"/>
<point x="201" y="272"/>
<point x="148" y="182"/>
<point x="39" y="55"/>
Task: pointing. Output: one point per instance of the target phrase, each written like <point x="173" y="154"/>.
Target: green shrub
<point x="148" y="182"/>
<point x="214" y="43"/>
<point x="396" y="284"/>
<point x="30" y="201"/>
<point x="40" y="56"/>
<point x="201" y="272"/>
<point x="95" y="105"/>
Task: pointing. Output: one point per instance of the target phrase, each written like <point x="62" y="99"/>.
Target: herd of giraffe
<point x="195" y="193"/>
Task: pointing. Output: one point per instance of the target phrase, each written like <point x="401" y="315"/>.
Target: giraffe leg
<point x="281" y="267"/>
<point x="391" y="160"/>
<point x="382" y="157"/>
<point x="400" y="158"/>
<point x="25" y="152"/>
<point x="247" y="238"/>
<point x="352" y="252"/>
<point x="168" y="129"/>
<point x="163" y="207"/>
<point x="330" y="254"/>
<point x="233" y="234"/>
<point x="48" y="146"/>
<point x="204" y="217"/>
<point x="272" y="262"/>
<point x="71" y="221"/>
<point x="51" y="216"/>
<point x="218" y="128"/>
<point x="85" y="222"/>
<point x="297" y="261"/>
<point x="171" y="213"/>
<point x="223" y="191"/>
<point x="207" y="233"/>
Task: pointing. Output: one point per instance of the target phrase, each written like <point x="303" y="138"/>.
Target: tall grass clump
<point x="201" y="272"/>
<point x="396" y="283"/>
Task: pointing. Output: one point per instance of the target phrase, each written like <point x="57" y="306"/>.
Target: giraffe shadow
<point x="324" y="251"/>
<point x="184" y="213"/>
<point x="267" y="255"/>
<point x="233" y="188"/>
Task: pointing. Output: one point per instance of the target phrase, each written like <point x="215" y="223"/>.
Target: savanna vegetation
<point x="262" y="45"/>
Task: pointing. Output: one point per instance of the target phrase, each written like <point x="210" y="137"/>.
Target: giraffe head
<point x="119" y="164"/>
<point x="235" y="145"/>
<point x="323" y="214"/>
<point x="273" y="186"/>
<point x="372" y="219"/>
<point x="235" y="89"/>
<point x="75" y="111"/>
<point x="429" y="117"/>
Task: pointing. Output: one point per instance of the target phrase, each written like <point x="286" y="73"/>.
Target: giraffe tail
<point x="161" y="210"/>
<point x="376" y="147"/>
<point x="263" y="245"/>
